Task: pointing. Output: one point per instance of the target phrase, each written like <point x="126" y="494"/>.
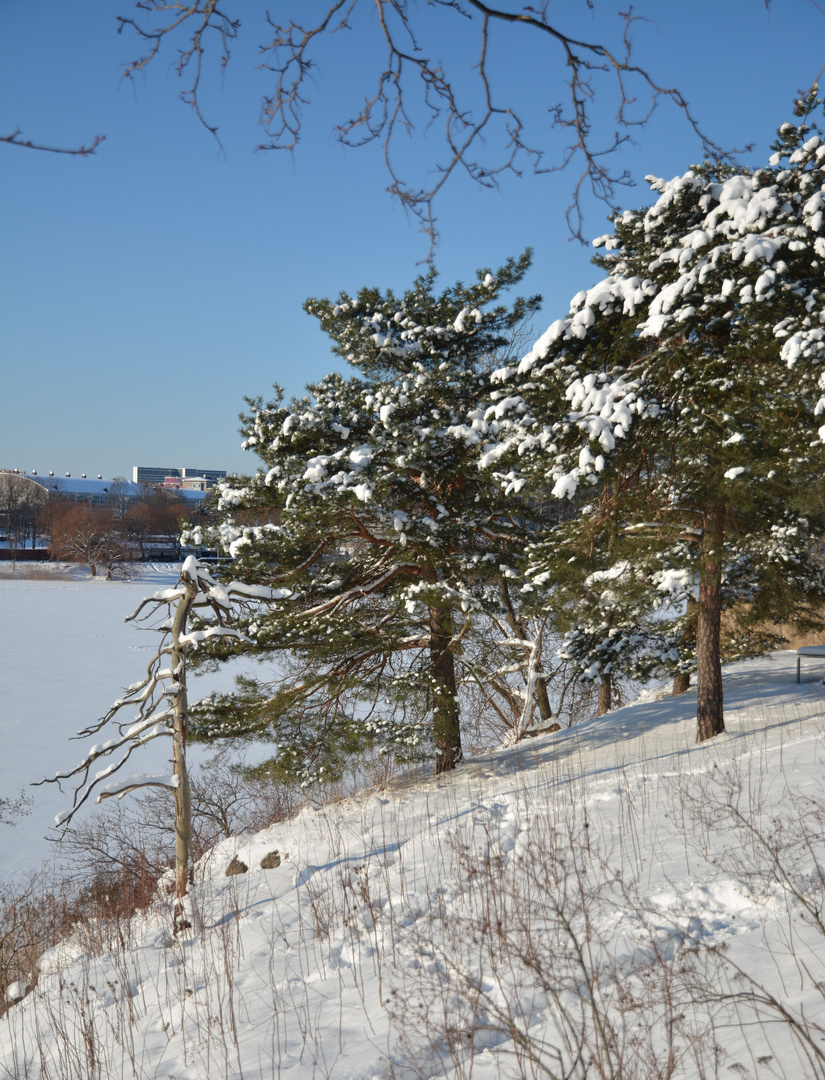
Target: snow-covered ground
<point x="607" y="901"/>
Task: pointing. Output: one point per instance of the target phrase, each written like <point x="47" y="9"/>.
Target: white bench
<point x="808" y="650"/>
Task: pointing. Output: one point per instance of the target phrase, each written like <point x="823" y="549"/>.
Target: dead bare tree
<point x="162" y="707"/>
<point x="87" y="534"/>
<point x="483" y="131"/>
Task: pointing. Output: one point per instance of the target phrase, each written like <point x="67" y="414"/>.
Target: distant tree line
<point x="22" y="506"/>
<point x="104" y="537"/>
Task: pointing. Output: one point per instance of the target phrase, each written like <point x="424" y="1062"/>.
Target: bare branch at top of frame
<point x="204" y="22"/>
<point x="483" y="135"/>
<point x="16" y="139"/>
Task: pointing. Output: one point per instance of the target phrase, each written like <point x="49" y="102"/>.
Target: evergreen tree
<point x="617" y="613"/>
<point x="689" y="380"/>
<point x="373" y="511"/>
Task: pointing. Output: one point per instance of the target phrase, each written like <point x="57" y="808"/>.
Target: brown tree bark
<point x="446" y="723"/>
<point x="605" y="694"/>
<point x="710" y="719"/>
<point x="681" y="683"/>
<point x="543" y="699"/>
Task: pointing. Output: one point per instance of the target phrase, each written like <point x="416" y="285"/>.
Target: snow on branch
<point x="156" y="706"/>
<point x="362" y="590"/>
<point x="87" y="787"/>
<point x="120" y="788"/>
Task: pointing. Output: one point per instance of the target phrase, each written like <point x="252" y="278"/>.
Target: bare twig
<point x="16" y="139"/>
<point x="204" y="16"/>
<point x="483" y="134"/>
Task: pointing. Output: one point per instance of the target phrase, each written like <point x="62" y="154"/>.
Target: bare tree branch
<point x="482" y="133"/>
<point x="205" y="16"/>
<point x="16" y="139"/>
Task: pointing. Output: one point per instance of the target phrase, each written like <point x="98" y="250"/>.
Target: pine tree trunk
<point x="681" y="683"/>
<point x="543" y="699"/>
<point x="709" y="706"/>
<point x="605" y="694"/>
<point x="446" y="726"/>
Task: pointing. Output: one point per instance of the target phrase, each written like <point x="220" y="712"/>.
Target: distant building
<point x="188" y="483"/>
<point x="107" y="494"/>
<point x="117" y="494"/>
<point x="154" y="474"/>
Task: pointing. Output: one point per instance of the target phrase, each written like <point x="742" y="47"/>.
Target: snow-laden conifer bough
<point x="162" y="705"/>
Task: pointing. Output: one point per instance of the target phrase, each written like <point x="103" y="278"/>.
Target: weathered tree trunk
<point x="517" y="626"/>
<point x="446" y="724"/>
<point x="605" y="694"/>
<point x="183" y="796"/>
<point x="709" y="706"/>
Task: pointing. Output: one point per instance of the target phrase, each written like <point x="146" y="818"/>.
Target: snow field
<point x="607" y="901"/>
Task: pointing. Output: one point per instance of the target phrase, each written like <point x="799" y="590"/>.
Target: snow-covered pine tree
<point x="619" y="613"/>
<point x="627" y="602"/>
<point x="691" y="378"/>
<point x="373" y="511"/>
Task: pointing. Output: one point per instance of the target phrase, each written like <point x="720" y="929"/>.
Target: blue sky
<point x="146" y="290"/>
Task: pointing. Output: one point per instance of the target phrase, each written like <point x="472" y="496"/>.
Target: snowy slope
<point x="607" y="901"/>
